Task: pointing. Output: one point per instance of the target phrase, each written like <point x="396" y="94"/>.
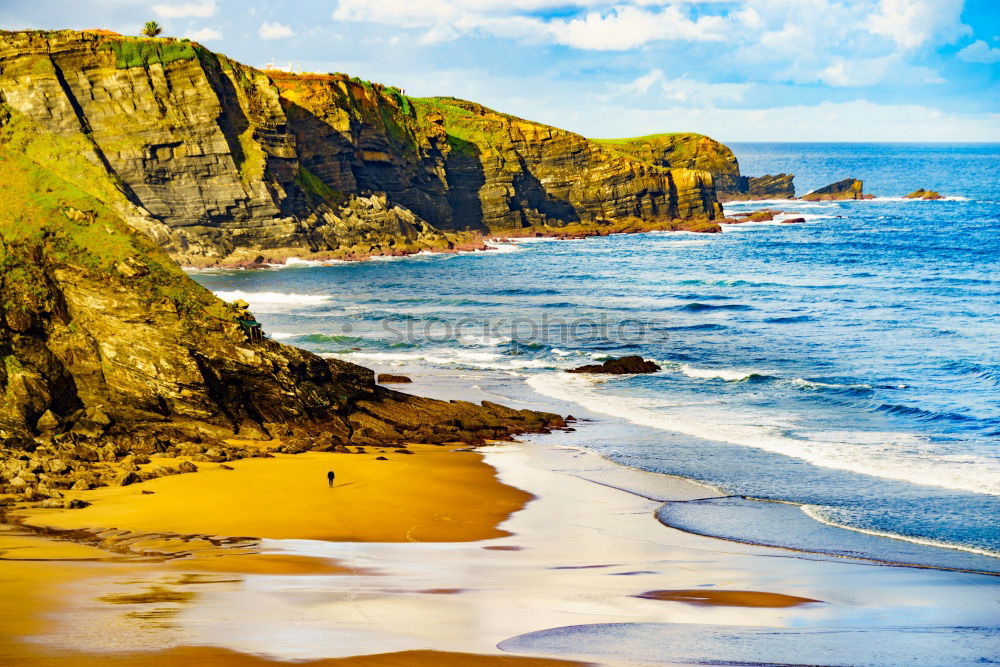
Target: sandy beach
<point x="441" y="557"/>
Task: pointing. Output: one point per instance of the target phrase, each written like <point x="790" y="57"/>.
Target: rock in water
<point x="849" y="188"/>
<point x="389" y="378"/>
<point x="923" y="194"/>
<point x="620" y="366"/>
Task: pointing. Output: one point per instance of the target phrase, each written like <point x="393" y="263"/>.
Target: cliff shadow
<point x="466" y="177"/>
<point x="531" y="195"/>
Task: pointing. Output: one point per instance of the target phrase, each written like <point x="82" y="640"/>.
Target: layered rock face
<point x="222" y="163"/>
<point x="687" y="150"/>
<point x="849" y="188"/>
<point x="108" y="349"/>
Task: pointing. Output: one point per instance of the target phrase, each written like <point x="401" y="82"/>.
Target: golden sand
<point x="192" y="655"/>
<point x="432" y="495"/>
<point x="715" y="598"/>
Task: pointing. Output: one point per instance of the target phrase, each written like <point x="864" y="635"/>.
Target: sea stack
<point x="849" y="188"/>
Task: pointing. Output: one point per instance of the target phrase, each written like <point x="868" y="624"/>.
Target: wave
<point x="791" y="319"/>
<point x="698" y="327"/>
<point x="697" y="307"/>
<point x="889" y="456"/>
<point x="815" y="513"/>
<point x="451" y="357"/>
<point x="729" y="375"/>
<point x="921" y="413"/>
<point x="816" y="384"/>
<point x="272" y="298"/>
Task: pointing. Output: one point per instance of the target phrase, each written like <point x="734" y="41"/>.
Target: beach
<point x="556" y="551"/>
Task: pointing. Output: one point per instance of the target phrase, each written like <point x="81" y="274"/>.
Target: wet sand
<point x="585" y="559"/>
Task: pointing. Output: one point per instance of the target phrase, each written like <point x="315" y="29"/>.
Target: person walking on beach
<point x="329" y="478"/>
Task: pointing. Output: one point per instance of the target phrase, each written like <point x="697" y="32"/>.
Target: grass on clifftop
<point x="50" y="222"/>
<point x="138" y="52"/>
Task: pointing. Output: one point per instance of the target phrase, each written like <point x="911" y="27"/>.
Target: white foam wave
<point x="450" y="357"/>
<point x="299" y="263"/>
<point x="729" y="375"/>
<point x="502" y="248"/>
<point x="889" y="456"/>
<point x="272" y="298"/>
<point x="812" y="384"/>
<point x="816" y="514"/>
<point x="282" y="335"/>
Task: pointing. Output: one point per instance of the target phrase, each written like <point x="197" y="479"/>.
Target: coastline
<point x="584" y="553"/>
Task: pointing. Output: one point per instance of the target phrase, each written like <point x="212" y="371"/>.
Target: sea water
<point x="849" y="364"/>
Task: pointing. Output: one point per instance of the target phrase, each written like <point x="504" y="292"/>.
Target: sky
<point x="737" y="70"/>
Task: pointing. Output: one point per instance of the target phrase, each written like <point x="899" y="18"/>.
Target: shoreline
<point x="588" y="518"/>
<point x="869" y="546"/>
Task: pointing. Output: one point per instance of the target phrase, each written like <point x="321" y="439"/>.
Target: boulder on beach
<point x="924" y="194"/>
<point x="849" y="188"/>
<point x="389" y="378"/>
<point x="620" y="366"/>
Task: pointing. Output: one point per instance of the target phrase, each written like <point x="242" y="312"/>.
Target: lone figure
<point x="329" y="478"/>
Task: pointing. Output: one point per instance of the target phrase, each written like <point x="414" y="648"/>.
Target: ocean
<point x="845" y="370"/>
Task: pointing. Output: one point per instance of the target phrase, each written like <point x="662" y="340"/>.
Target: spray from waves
<point x="729" y="375"/>
<point x="816" y="513"/>
<point x="256" y="299"/>
<point x="455" y="358"/>
<point x="892" y="458"/>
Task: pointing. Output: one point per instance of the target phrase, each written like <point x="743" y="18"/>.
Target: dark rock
<point x="792" y="221"/>
<point x="187" y="466"/>
<point x="389" y="378"/>
<point x="621" y="366"/>
<point x="225" y="467"/>
<point x="381" y="458"/>
<point x="127" y="478"/>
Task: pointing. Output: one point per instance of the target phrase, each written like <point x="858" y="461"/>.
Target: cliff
<point x="687" y="150"/>
<point x="110" y="353"/>
<point x="224" y="164"/>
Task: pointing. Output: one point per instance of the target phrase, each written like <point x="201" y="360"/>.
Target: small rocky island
<point x="847" y="189"/>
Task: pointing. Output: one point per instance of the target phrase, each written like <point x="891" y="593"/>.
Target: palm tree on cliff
<point x="152" y="29"/>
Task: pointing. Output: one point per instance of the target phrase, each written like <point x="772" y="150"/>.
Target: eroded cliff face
<point x="688" y="150"/>
<point x="222" y="163"/>
<point x="107" y="349"/>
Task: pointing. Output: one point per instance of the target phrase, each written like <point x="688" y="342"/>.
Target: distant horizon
<point x="747" y="71"/>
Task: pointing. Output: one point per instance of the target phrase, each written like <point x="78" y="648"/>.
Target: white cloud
<point x="979" y="52"/>
<point x="274" y="30"/>
<point x="913" y="23"/>
<point x="204" y="35"/>
<point x="200" y="10"/>
<point x="679" y="91"/>
<point x="622" y="27"/>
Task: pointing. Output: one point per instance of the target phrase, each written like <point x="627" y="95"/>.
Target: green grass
<point x="137" y="52"/>
<point x="314" y="187"/>
<point x="648" y="138"/>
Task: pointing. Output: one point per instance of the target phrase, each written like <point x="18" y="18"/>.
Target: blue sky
<point x="742" y="70"/>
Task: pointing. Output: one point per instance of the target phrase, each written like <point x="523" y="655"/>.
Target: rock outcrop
<point x="924" y="194"/>
<point x="849" y="188"/>
<point x="620" y="366"/>
<point x="109" y="351"/>
<point x="687" y="150"/>
<point x="224" y="164"/>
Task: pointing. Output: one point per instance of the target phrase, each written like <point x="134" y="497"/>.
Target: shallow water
<point x="850" y="363"/>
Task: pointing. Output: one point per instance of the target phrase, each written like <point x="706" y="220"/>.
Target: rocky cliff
<point x="222" y="163"/>
<point x="687" y="150"/>
<point x="109" y="351"/>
